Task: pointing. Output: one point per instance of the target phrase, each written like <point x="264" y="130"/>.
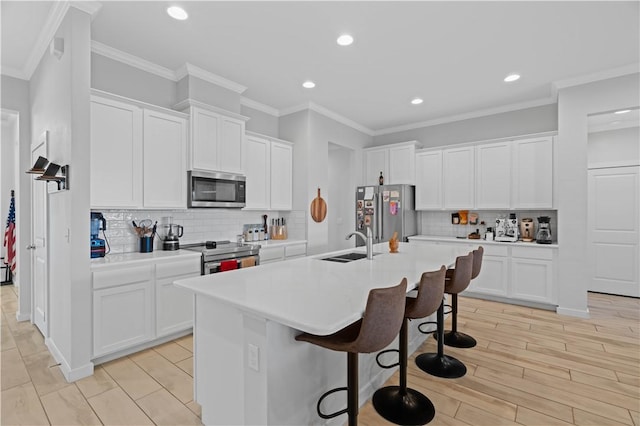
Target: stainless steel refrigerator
<point x="386" y="209"/>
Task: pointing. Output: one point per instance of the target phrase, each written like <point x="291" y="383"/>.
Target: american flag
<point x="10" y="236"/>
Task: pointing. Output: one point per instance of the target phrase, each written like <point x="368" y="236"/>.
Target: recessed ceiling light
<point x="416" y="101"/>
<point x="177" y="13"/>
<point x="511" y="77"/>
<point x="308" y="84"/>
<point x="345" y="40"/>
<point x="622" y="111"/>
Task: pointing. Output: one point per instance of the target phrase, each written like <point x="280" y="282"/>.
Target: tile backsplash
<point x="438" y="223"/>
<point x="199" y="225"/>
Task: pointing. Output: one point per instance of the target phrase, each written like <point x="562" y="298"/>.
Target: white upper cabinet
<point x="395" y="161"/>
<point x="138" y="154"/>
<point x="217" y="139"/>
<point x="459" y="177"/>
<point x="268" y="168"/>
<point x="116" y="154"/>
<point x="428" y="168"/>
<point x="165" y="175"/>
<point x="493" y="176"/>
<point x="532" y="173"/>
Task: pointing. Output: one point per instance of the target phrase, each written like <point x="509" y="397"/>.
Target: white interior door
<point x="38" y="246"/>
<point x="614" y="239"/>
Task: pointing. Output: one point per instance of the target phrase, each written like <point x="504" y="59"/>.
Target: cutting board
<point x="318" y="208"/>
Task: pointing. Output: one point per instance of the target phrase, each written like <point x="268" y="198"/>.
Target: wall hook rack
<point x="50" y="173"/>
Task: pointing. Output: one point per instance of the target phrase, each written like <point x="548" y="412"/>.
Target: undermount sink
<point x="345" y="258"/>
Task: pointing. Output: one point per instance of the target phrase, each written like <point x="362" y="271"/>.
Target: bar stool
<point x="378" y="327"/>
<point x="438" y="364"/>
<point x="453" y="337"/>
<point x="400" y="404"/>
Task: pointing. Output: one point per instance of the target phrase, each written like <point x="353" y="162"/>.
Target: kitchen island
<point x="248" y="369"/>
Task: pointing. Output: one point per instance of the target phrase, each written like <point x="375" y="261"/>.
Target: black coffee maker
<point x="544" y="230"/>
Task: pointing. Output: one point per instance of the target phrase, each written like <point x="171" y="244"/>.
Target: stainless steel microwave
<point x="211" y="189"/>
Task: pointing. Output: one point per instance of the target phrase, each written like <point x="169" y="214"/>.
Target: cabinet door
<point x="116" y="154"/>
<point x="493" y="277"/>
<point x="429" y="180"/>
<point x="459" y="174"/>
<point x="532" y="279"/>
<point x="402" y="165"/>
<point x="533" y="173"/>
<point x="174" y="305"/>
<point x="230" y="146"/>
<point x="281" y="176"/>
<point x="122" y="317"/>
<point x="165" y="177"/>
<point x="375" y="161"/>
<point x="493" y="175"/>
<point x="204" y="139"/>
<point x="257" y="159"/>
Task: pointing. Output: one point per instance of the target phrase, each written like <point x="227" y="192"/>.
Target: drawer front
<point x="495" y="250"/>
<point x="271" y="253"/>
<point x="295" y="250"/>
<point x="112" y="278"/>
<point x="532" y="253"/>
<point x="177" y="268"/>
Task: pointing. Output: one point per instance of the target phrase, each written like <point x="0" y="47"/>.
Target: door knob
<point x="31" y="247"/>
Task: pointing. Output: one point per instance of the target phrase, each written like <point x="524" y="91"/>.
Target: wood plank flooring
<point x="530" y="367"/>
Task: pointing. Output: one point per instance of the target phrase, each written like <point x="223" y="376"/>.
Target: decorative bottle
<point x="381" y="179"/>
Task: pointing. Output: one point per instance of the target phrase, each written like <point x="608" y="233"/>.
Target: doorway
<point x="341" y="217"/>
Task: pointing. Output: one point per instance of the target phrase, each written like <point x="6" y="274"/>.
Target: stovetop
<point x="226" y="248"/>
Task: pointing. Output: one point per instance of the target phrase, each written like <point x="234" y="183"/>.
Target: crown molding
<point x="183" y="105"/>
<point x="13" y="72"/>
<point x="194" y="71"/>
<point x="132" y="60"/>
<point x="329" y="114"/>
<point x="56" y="15"/>
<point x="558" y="85"/>
<point x="250" y="103"/>
<point x="467" y="116"/>
<point x="91" y="7"/>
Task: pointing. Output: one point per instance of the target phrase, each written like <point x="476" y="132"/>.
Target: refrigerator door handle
<point x="380" y="221"/>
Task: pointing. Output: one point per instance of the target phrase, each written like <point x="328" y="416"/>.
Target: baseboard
<point x="22" y="317"/>
<point x="71" y="375"/>
<point x="573" y="312"/>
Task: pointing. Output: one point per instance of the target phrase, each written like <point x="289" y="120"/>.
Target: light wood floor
<point x="530" y="367"/>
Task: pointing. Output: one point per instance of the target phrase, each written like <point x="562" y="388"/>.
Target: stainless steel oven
<point x="222" y="256"/>
<point x="209" y="189"/>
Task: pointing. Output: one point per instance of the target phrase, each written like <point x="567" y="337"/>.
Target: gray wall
<point x="260" y="122"/>
<point x="574" y="105"/>
<point x="15" y="97"/>
<point x="124" y="80"/>
<point x="59" y="94"/>
<point x="211" y="94"/>
<point x="513" y="123"/>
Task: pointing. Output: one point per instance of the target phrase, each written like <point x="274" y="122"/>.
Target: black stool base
<point x="409" y="408"/>
<point x="457" y="339"/>
<point x="441" y="366"/>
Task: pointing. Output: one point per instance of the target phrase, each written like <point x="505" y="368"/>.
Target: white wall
<point x="8" y="149"/>
<point x="513" y="123"/>
<point x="574" y="105"/>
<point x="614" y="147"/>
<point x="340" y="217"/>
<point x="15" y="97"/>
<point x="260" y="122"/>
<point x="59" y="93"/>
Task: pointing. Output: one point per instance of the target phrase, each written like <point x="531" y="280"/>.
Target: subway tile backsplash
<point x="199" y="225"/>
<point x="438" y="223"/>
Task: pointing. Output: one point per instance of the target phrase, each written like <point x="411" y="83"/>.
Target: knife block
<point x="278" y="232"/>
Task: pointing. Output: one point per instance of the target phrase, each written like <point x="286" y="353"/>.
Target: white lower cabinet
<point x="494" y="274"/>
<point x="123" y="312"/>
<point x="174" y="305"/>
<point x="279" y="253"/>
<point x="532" y="275"/>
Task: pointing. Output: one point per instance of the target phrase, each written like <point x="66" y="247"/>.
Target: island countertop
<point x="318" y="296"/>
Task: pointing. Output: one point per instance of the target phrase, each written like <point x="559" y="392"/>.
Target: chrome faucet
<point x="368" y="239"/>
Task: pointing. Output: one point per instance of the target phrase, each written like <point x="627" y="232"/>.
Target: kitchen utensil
<point x="318" y="208"/>
<point x="98" y="245"/>
<point x="170" y="234"/>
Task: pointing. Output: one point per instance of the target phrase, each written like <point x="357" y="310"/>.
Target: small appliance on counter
<point x="544" y="230"/>
<point x="526" y="229"/>
<point x="169" y="234"/>
<point x="98" y="246"/>
<point x="507" y="229"/>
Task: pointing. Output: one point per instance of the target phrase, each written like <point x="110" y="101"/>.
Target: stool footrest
<point x="427" y="323"/>
<point x="326" y="394"/>
<point x="380" y="364"/>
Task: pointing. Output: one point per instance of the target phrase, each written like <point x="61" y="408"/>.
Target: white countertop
<point x="317" y="296"/>
<point x="275" y="243"/>
<point x="482" y="242"/>
<point x="126" y="259"/>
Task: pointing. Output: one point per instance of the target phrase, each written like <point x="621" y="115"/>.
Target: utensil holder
<point x="279" y="232"/>
<point x="146" y="244"/>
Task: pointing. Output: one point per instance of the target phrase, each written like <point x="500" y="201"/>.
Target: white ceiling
<point x="453" y="54"/>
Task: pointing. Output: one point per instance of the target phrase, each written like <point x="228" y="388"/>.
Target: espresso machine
<point x="98" y="246"/>
<point x="169" y="233"/>
<point x="544" y="230"/>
